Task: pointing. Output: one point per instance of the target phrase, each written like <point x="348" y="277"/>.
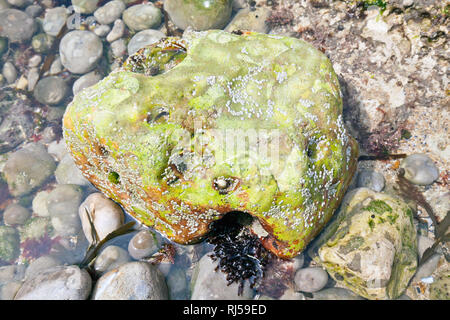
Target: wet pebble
<point x="102" y="30"/>
<point x="51" y="90"/>
<point x="42" y="42"/>
<point x="85" y="81"/>
<point x="109" y="12"/>
<point x="56" y="66"/>
<point x="298" y="261"/>
<point x="427" y="268"/>
<point x="62" y="204"/>
<point x="142" y="16"/>
<point x="15" y="214"/>
<point x="57" y="283"/>
<point x="251" y="20"/>
<point x="68" y="173"/>
<point x="131" y="281"/>
<point x="57" y="149"/>
<point x="83" y="6"/>
<point x="143" y="244"/>
<point x="310" y="279"/>
<point x="370" y="179"/>
<point x="28" y="168"/>
<point x="104" y="213"/>
<point x="211" y="285"/>
<point x="9" y="72"/>
<point x="117" y="31"/>
<point x="33" y="10"/>
<point x="16" y="25"/>
<point x="34" y="61"/>
<point x="420" y="169"/>
<point x="110" y="258"/>
<point x="9" y="243"/>
<point x="33" y="78"/>
<point x="40" y="264"/>
<point x="119" y="48"/>
<point x="199" y="14"/>
<point x="80" y="51"/>
<point x="144" y="38"/>
<point x="54" y="20"/>
<point x="39" y="203"/>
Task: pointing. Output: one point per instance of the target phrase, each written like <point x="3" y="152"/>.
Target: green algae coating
<point x="167" y="136"/>
<point x="9" y="243"/>
<point x="377" y="259"/>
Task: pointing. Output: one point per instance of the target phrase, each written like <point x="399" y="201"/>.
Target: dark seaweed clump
<point x="241" y="255"/>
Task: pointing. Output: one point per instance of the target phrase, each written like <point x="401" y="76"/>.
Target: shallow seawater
<point x="34" y="117"/>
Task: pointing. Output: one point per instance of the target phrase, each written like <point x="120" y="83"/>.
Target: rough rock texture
<point x="158" y="144"/>
<point x="370" y="247"/>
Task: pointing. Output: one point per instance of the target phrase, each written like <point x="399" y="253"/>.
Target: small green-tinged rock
<point x="42" y="42"/>
<point x="420" y="169"/>
<point x="9" y="243"/>
<point x="370" y="247"/>
<point x="142" y="16"/>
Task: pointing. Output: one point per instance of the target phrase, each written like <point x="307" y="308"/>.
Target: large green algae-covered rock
<point x="155" y="136"/>
<point x="370" y="247"/>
